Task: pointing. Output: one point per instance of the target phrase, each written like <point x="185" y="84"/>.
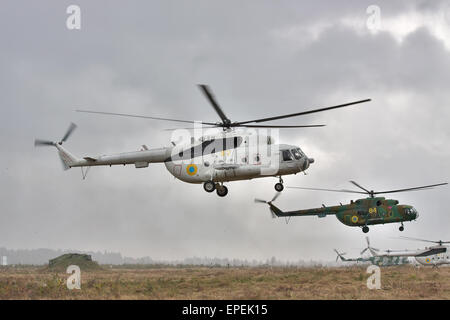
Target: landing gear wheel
<point x="365" y="229"/>
<point x="222" y="191"/>
<point x="209" y="186"/>
<point x="279" y="187"/>
<point x="401" y="228"/>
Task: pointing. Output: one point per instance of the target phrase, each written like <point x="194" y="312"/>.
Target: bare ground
<point x="400" y="282"/>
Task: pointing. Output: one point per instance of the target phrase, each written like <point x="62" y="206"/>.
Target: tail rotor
<point x="339" y="255"/>
<point x="44" y="143"/>
<point x="64" y="156"/>
<point x="275" y="197"/>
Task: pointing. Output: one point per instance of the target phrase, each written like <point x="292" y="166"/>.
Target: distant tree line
<point x="42" y="256"/>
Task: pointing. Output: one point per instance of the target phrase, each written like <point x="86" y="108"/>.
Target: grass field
<point x="401" y="282"/>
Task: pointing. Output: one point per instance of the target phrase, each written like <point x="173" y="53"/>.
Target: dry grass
<point x="401" y="282"/>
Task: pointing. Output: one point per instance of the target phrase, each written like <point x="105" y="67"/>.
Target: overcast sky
<point x="261" y="58"/>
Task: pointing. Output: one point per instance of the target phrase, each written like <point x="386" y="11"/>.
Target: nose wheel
<point x="401" y="228"/>
<point x="365" y="229"/>
<point x="279" y="186"/>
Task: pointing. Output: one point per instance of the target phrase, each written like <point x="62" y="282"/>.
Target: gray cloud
<point x="147" y="58"/>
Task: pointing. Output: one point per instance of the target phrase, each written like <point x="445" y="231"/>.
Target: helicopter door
<point x="177" y="170"/>
<point x="230" y="158"/>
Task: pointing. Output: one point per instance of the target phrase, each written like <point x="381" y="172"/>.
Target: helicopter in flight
<point x="238" y="152"/>
<point x="360" y="213"/>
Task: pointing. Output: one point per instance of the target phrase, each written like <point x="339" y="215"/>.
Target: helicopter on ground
<point x="379" y="260"/>
<point x="434" y="256"/>
<point x="360" y="213"/>
<point x="212" y="159"/>
<point x="394" y="257"/>
<point x="430" y="256"/>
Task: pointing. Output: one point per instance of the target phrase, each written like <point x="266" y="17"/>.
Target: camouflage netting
<point x="84" y="261"/>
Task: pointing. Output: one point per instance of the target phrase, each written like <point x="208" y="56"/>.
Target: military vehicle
<point x="384" y="261"/>
<point x="431" y="256"/>
<point x="379" y="258"/>
<point x="241" y="151"/>
<point x="360" y="213"/>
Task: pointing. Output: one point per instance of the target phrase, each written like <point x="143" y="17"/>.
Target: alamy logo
<point x="374" y="281"/>
<point x="373" y="22"/>
<point x="74" y="281"/>
<point x="73" y="21"/>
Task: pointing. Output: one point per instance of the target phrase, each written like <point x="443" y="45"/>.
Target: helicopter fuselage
<point x="443" y="257"/>
<point x="237" y="164"/>
<point x="371" y="211"/>
<point x="228" y="156"/>
<point x="380" y="261"/>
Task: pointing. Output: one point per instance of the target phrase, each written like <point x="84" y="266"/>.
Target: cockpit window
<point x="287" y="156"/>
<point x="296" y="153"/>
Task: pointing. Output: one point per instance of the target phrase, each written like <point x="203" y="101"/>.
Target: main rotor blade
<point x="390" y="250"/>
<point x="255" y="126"/>
<point x="192" y="128"/>
<point x="207" y="92"/>
<point x="362" y="252"/>
<point x="260" y="201"/>
<point x="412" y="189"/>
<point x="40" y="143"/>
<point x="304" y="112"/>
<point x="69" y="131"/>
<point x="367" y="191"/>
<point x="275" y="197"/>
<point x="144" y="117"/>
<point x="424" y="240"/>
<point x="332" y="190"/>
<point x="275" y="126"/>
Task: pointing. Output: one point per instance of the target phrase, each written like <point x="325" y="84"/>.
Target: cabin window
<point x="379" y="203"/>
<point x="287" y="156"/>
<point x="214" y="145"/>
<point x="296" y="153"/>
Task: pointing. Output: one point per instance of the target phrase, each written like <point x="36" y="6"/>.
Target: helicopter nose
<point x="311" y="160"/>
<point x="305" y="163"/>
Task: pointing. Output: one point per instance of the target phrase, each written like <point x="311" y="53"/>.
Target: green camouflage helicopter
<point x="378" y="260"/>
<point x="385" y="259"/>
<point x="360" y="213"/>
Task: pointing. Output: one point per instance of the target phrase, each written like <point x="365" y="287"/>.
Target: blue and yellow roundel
<point x="427" y="260"/>
<point x="354" y="219"/>
<point x="191" y="169"/>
